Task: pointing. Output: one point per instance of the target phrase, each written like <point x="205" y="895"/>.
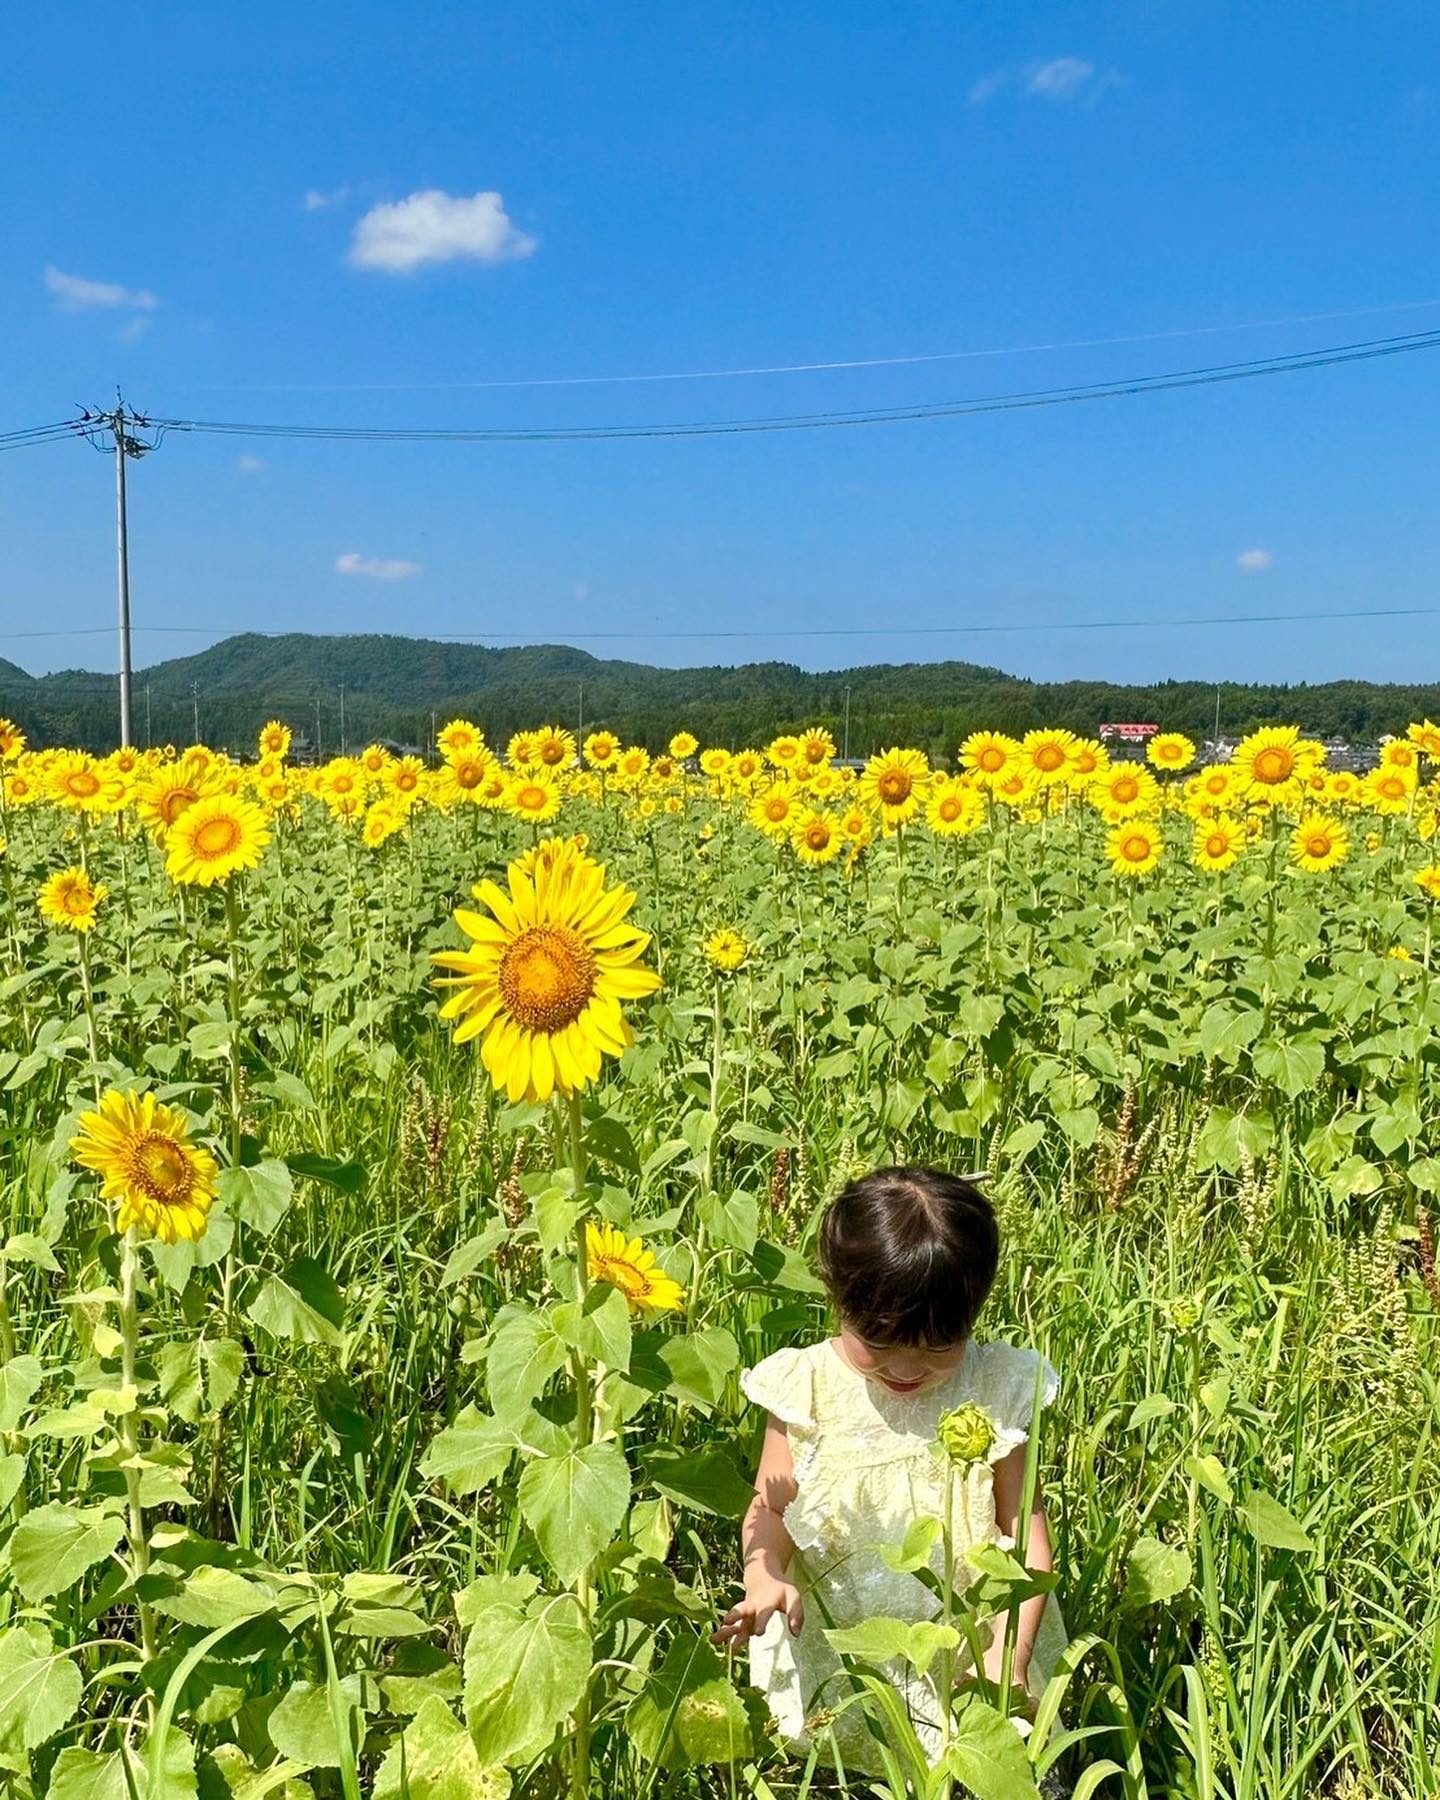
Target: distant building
<point x="1127" y="734"/>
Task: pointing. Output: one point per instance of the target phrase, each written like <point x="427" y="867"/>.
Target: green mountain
<point x="392" y="687"/>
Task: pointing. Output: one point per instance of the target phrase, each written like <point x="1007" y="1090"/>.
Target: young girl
<point x="908" y="1257"/>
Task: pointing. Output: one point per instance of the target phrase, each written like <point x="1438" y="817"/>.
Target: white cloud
<point x="378" y="568"/>
<point x="74" y="294"/>
<point x="1254" y="559"/>
<point x="988" y="86"/>
<point x="250" y="465"/>
<point x="316" y="199"/>
<point x="434" y="227"/>
<point x="1059" y="79"/>
<point x="134" y="328"/>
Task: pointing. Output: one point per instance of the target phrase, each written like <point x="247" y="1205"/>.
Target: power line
<point x="823" y="631"/>
<point x="1364" y="351"/>
<point x="810" y="368"/>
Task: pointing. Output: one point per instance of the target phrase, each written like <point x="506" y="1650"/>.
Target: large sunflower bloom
<point x="1319" y="843"/>
<point x="70" y="899"/>
<point x="81" y="784"/>
<point x="629" y="1266"/>
<point x="1272" y="763"/>
<point x="817" y="747"/>
<point x="164" y="1184"/>
<point x="955" y="807"/>
<point x="683" y="744"/>
<point x="545" y="976"/>
<point x="534" y="797"/>
<point x="773" y="810"/>
<point x="459" y="738"/>
<point x="213" y="838"/>
<point x="1426" y="737"/>
<point x="1218" y="843"/>
<point x="274" y="739"/>
<point x="164" y="794"/>
<point x="554" y="747"/>
<point x="1133" y="847"/>
<point x="816" y="839"/>
<point x="1170" y="750"/>
<point x="1046" y="753"/>
<point x="988" y="755"/>
<point x="894" y="784"/>
<point x="1388" y="790"/>
<point x="12" y="740"/>
<point x="726" y="950"/>
<point x="601" y="749"/>
<point x="1125" y="789"/>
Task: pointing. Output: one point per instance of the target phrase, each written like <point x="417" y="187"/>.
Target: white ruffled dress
<point x="866" y="1466"/>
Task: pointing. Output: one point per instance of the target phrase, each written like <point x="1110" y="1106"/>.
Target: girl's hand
<point x="764" y="1597"/>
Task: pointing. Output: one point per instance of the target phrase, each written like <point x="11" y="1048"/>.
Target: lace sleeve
<point x="1007" y="1391"/>
<point x="783" y="1385"/>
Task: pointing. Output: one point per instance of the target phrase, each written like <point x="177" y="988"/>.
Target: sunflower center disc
<point x="547" y="977"/>
<point x="631" y="1281"/>
<point x="160" y="1169"/>
<point x="1273" y="765"/>
<point x="217" y="837"/>
<point x="894" y="787"/>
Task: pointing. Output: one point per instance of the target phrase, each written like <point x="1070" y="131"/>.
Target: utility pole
<point x="195" y="710"/>
<point x="434" y="736"/>
<point x="1217" y="713"/>
<point x="317" y="731"/>
<point x="845" y="753"/>
<point x="580" y="720"/>
<point x="148" y="739"/>
<point x="342" y="718"/>
<point x="117" y="421"/>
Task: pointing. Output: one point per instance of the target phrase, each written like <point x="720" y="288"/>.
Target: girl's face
<point x="900" y="1368"/>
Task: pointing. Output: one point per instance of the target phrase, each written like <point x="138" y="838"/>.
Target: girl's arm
<point x="1009" y="1480"/>
<point x="766" y="1547"/>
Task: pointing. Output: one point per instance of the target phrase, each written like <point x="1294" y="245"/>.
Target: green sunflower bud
<point x="967" y="1434"/>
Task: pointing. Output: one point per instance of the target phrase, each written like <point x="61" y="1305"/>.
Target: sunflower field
<point x="400" y="1162"/>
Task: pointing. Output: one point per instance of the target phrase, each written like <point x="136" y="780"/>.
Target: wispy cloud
<point x="317" y="199"/>
<point x="1254" y="560"/>
<point x="1056" y="79"/>
<point x="378" y="568"/>
<point x="435" y="227"/>
<point x="73" y="293"/>
<point x="250" y="465"/>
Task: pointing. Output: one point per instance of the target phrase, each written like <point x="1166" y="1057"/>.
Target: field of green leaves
<point x="372" y="1487"/>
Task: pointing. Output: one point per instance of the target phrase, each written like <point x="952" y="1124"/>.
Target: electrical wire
<point x="1364" y="351"/>
<point x="821" y="631"/>
<point x="810" y="368"/>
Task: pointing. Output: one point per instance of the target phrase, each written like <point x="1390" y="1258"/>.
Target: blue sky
<point x="326" y="214"/>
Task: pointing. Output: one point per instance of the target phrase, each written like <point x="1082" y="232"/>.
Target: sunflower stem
<point x="89" y="996"/>
<point x="232" y="938"/>
<point x="584" y="1431"/>
<point x="129" y="1430"/>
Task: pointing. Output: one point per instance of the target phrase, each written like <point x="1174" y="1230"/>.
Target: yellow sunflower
<point x="554" y="747"/>
<point x="143" y="1154"/>
<point x="988" y="755"/>
<point x="783" y="752"/>
<point x="274" y="739"/>
<point x="1045" y="753"/>
<point x="856" y="828"/>
<point x="601" y="749"/>
<point x="549" y="855"/>
<point x="1388" y="790"/>
<point x="544" y="978"/>
<point x="466" y="775"/>
<point x="374" y="760"/>
<point x="12" y="740"/>
<point x="534" y="797"/>
<point x="715" y="763"/>
<point x="683" y="744"/>
<point x="1218" y="843"/>
<point x="164" y="794"/>
<point x="70" y="899"/>
<point x="775" y="809"/>
<point x="213" y="838"/>
<point x="405" y="777"/>
<point x="954" y="807"/>
<point x="1170" y="750"/>
<point x="1319" y="843"/>
<point x="520" y="751"/>
<point x="1343" y="787"/>
<point x="817" y="747"/>
<point x="1088" y="756"/>
<point x="746" y="765"/>
<point x="726" y="950"/>
<point x="81" y="784"/>
<point x="1272" y="763"/>
<point x="816" y="839"/>
<point x="459" y="738"/>
<point x="893" y="785"/>
<point x="382" y="820"/>
<point x="629" y="1266"/>
<point x="1426" y="737"/>
<point x="1428" y="878"/>
<point x="1133" y="847"/>
<point x="1125" y="789"/>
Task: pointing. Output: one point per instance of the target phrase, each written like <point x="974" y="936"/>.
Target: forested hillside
<point x="390" y="686"/>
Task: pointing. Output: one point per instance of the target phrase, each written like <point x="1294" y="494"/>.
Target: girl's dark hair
<point x="909" y="1255"/>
